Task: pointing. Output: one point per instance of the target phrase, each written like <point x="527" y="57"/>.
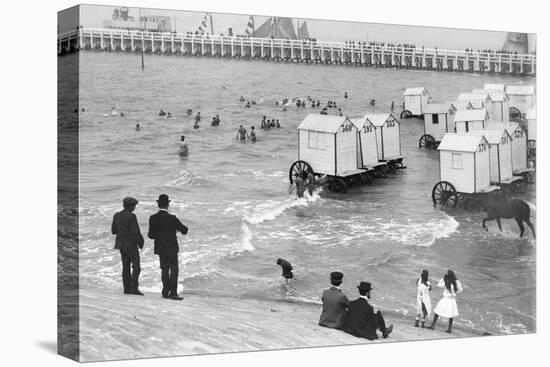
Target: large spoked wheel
<point x="532" y="150"/>
<point x="302" y="168"/>
<point x="405" y="114"/>
<point x="427" y="141"/>
<point x="337" y="184"/>
<point x="366" y="178"/>
<point x="444" y="194"/>
<point x="515" y="113"/>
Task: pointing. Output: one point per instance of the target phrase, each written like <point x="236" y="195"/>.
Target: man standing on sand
<point x="335" y="303"/>
<point x="163" y="227"/>
<point x="362" y="322"/>
<point x="128" y="238"/>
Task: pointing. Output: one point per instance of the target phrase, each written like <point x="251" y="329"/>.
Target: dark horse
<point x="498" y="207"/>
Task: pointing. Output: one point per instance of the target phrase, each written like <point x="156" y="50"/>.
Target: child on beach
<point x="423" y="302"/>
<point x="287" y="269"/>
<point x="447" y="307"/>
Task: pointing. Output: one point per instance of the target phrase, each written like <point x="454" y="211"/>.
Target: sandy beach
<point x="116" y="326"/>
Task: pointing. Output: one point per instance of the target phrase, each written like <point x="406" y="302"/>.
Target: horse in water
<point x="502" y="207"/>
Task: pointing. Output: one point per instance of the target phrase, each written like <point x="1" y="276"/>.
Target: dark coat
<point x="335" y="304"/>
<point x="126" y="228"/>
<point x="162" y="229"/>
<point x="361" y="321"/>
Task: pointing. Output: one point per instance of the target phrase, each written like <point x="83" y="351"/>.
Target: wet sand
<point x="116" y="326"/>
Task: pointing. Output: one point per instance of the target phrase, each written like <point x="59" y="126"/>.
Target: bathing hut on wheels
<point x="388" y="139"/>
<point x="327" y="145"/>
<point x="501" y="104"/>
<point x="531" y="134"/>
<point x="367" y="151"/>
<point x="500" y="169"/>
<point x="414" y="100"/>
<point x="438" y="120"/>
<point x="522" y="98"/>
<point x="463" y="169"/>
<point x="467" y="120"/>
<point x="519" y="147"/>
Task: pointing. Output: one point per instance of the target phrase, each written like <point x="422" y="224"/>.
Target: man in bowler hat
<point x="362" y="322"/>
<point x="163" y="227"/>
<point x="335" y="303"/>
<point x="128" y="238"/>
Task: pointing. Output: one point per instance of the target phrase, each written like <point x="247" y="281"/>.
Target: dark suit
<point x="128" y="239"/>
<point x="162" y="228"/>
<point x="362" y="321"/>
<point x="335" y="305"/>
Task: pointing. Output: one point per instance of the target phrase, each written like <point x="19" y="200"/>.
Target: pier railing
<point x="397" y="56"/>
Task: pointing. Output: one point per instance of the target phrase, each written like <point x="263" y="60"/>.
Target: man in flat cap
<point x="362" y="322"/>
<point x="335" y="303"/>
<point x="163" y="227"/>
<point x="128" y="240"/>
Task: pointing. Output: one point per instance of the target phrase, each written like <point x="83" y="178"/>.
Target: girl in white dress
<point x="423" y="302"/>
<point x="447" y="307"/>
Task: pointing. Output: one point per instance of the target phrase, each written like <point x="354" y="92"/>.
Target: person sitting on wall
<point x="335" y="303"/>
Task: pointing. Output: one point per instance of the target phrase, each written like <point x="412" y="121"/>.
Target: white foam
<point x="272" y="209"/>
<point x="244" y="243"/>
<point x="183" y="178"/>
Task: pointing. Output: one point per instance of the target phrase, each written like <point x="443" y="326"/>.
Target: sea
<point x="235" y="200"/>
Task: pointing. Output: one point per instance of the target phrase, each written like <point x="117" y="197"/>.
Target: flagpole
<point x="211" y="24"/>
<point x="253" y="26"/>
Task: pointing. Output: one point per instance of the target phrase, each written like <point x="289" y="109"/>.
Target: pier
<point x="302" y="51"/>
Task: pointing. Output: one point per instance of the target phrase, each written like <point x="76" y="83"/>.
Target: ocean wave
<point x="244" y="243"/>
<point x="183" y="178"/>
<point x="272" y="209"/>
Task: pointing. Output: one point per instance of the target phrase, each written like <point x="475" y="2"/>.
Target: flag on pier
<point x="203" y="28"/>
<point x="249" y="31"/>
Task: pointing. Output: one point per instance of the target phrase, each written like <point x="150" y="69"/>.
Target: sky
<point x="323" y="30"/>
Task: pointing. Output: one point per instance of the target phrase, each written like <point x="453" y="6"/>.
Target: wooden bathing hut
<point x="496" y="87"/>
<point x="467" y="120"/>
<point x="367" y="150"/>
<point x="463" y="105"/>
<point x="327" y="145"/>
<point x="500" y="143"/>
<point x="519" y="143"/>
<point x="501" y="104"/>
<point x="478" y="101"/>
<point x="531" y="117"/>
<point x="414" y="100"/>
<point x="522" y="98"/>
<point x="438" y="120"/>
<point x="388" y="138"/>
<point x="464" y="165"/>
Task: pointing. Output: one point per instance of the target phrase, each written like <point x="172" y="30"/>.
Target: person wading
<point x="128" y="239"/>
<point x="163" y="227"/>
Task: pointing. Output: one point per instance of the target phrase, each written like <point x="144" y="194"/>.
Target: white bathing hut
<point x="501" y="104"/>
<point x="464" y="162"/>
<point x="500" y="143"/>
<point x="496" y="87"/>
<point x="388" y="139"/>
<point x="463" y="105"/>
<point x="414" y="100"/>
<point x="522" y="98"/>
<point x="478" y="101"/>
<point x="439" y="119"/>
<point x="531" y="117"/>
<point x="366" y="145"/>
<point x="329" y="145"/>
<point x="519" y="142"/>
<point x="467" y="120"/>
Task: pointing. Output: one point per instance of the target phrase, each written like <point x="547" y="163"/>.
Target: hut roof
<point x="531" y="114"/>
<point x="496" y="95"/>
<point x="379" y="119"/>
<point x="414" y="91"/>
<point x="497" y="125"/>
<point x="462" y="105"/>
<point x="438" y="107"/>
<point x="471" y="115"/>
<point x="498" y="87"/>
<point x="461" y="142"/>
<point x="359" y="122"/>
<point x="520" y="90"/>
<point x="473" y="96"/>
<point x="322" y="123"/>
<point x="492" y="136"/>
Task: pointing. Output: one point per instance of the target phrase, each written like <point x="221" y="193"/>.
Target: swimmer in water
<point x="247" y="105"/>
<point x="252" y="135"/>
<point x="168" y="116"/>
<point x="287" y="269"/>
<point x="242" y="135"/>
<point x="346" y="95"/>
<point x="299" y="184"/>
<point x="114" y="111"/>
<point x="241" y="99"/>
<point x="184" y="150"/>
<point x="372" y="102"/>
<point x="277" y="124"/>
<point x="197" y="117"/>
<point x="162" y="113"/>
<point x="189" y="112"/>
<point x="137" y="127"/>
<point x="392" y="105"/>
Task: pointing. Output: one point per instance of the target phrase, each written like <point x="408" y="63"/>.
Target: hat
<point x="163" y="199"/>
<point x="364" y="286"/>
<point x="336" y="275"/>
<point x="129" y="201"/>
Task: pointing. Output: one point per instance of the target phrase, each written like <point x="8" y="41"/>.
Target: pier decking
<point x="295" y="51"/>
